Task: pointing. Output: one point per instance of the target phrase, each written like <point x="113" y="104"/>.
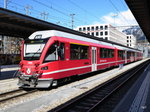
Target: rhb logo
<point x="28" y="70"/>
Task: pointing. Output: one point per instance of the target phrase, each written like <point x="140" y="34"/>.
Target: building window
<point x="78" y="52"/>
<point x="106" y="27"/>
<point x="127" y="37"/>
<point x="84" y="28"/>
<point x="101" y="33"/>
<point x="93" y="33"/>
<point x="97" y="28"/>
<point x="92" y="28"/>
<point x="88" y="28"/>
<point x="106" y="38"/>
<point x="106" y="33"/>
<point x="127" y="40"/>
<point x="88" y="33"/>
<point x="101" y="27"/>
<point x="97" y="33"/>
<point x="80" y="29"/>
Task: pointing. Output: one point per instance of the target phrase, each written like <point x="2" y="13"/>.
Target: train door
<point x="94" y="65"/>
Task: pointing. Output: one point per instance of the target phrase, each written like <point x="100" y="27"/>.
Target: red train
<point x="48" y="56"/>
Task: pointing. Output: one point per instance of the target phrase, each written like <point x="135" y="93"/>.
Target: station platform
<point x="4" y="68"/>
<point x="137" y="98"/>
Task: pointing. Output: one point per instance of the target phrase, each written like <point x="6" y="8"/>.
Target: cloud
<point x="124" y="18"/>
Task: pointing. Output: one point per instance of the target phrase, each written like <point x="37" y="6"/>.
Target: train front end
<point x="30" y="72"/>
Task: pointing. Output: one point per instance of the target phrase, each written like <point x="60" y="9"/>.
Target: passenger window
<point x="61" y="51"/>
<point x="121" y="54"/>
<point x="84" y="52"/>
<point x="51" y="54"/>
<point x="78" y="52"/>
<point x="106" y="53"/>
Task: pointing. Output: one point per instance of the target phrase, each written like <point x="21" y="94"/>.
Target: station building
<point x="9" y="49"/>
<point x="105" y="31"/>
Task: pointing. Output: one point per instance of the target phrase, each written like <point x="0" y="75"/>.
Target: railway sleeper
<point x="80" y="107"/>
<point x="92" y="100"/>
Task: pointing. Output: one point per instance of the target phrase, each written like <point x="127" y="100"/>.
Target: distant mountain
<point x="136" y="31"/>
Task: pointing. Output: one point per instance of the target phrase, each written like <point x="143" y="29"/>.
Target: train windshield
<point x="34" y="48"/>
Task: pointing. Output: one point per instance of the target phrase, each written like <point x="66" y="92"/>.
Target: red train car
<point x="48" y="56"/>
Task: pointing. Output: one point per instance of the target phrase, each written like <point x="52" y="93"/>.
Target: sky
<point x="82" y="12"/>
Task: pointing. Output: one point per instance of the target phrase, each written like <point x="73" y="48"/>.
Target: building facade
<point x="131" y="41"/>
<point x="105" y="31"/>
<point x="9" y="49"/>
<point x="9" y="45"/>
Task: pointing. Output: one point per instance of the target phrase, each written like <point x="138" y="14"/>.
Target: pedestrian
<point x="120" y="66"/>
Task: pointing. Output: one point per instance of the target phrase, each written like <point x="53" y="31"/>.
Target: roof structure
<point x="141" y="11"/>
<point x="20" y="25"/>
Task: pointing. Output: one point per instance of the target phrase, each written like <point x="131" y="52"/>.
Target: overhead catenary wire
<point x="83" y="9"/>
<point x="38" y="12"/>
<point x="123" y="4"/>
<point x="41" y="3"/>
<point x="119" y="12"/>
<point x="51" y="7"/>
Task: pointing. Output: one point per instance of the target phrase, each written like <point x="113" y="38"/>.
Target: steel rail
<point x="14" y="94"/>
<point x="91" y="99"/>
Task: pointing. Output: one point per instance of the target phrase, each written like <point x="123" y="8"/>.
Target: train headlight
<point x="45" y="68"/>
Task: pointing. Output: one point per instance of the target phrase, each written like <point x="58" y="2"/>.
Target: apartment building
<point x="131" y="41"/>
<point x="105" y="31"/>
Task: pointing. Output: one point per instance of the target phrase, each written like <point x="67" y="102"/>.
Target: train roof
<point x="50" y="33"/>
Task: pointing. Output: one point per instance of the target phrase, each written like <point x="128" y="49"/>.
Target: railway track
<point x="105" y="97"/>
<point x="14" y="94"/>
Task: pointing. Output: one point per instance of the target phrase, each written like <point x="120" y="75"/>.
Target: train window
<point x="121" y="54"/>
<point x="61" y="51"/>
<point x="128" y="55"/>
<point x="51" y="53"/>
<point x="111" y="53"/>
<point x="78" y="52"/>
<point x="106" y="53"/>
<point x="83" y="52"/>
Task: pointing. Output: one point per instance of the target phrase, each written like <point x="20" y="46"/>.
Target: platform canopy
<point x="141" y="11"/>
<point x="20" y="25"/>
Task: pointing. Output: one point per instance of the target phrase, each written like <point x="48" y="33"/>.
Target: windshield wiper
<point x="36" y="52"/>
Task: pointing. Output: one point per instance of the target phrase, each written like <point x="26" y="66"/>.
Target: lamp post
<point x="114" y="15"/>
<point x="72" y="21"/>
